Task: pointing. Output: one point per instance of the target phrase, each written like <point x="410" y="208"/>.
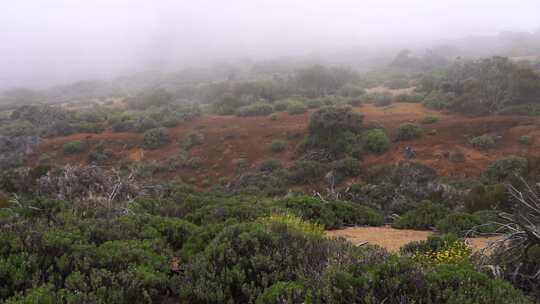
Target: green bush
<point x="74" y="147"/>
<point x="466" y="224"/>
<point x="296" y="108"/>
<point x="155" y="138"/>
<point x="408" y="131"/>
<point x="279" y="146"/>
<point x="430" y="120"/>
<point x="255" y="109"/>
<point x="505" y="170"/>
<point x="307" y="171"/>
<point x="346" y="167"/>
<point x="193" y="139"/>
<point x="86" y="127"/>
<point x="281" y="105"/>
<point x="526" y="140"/>
<point x="377" y="141"/>
<point x="484" y="197"/>
<point x="383" y="100"/>
<point x="483" y="142"/>
<point x="18" y="128"/>
<point x="423" y="216"/>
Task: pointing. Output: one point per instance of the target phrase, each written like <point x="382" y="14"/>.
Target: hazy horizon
<point x="49" y="42"/>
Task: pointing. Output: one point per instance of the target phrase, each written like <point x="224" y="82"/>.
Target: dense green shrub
<point x="505" y="170"/>
<point x="526" y="140"/>
<point x="334" y="130"/>
<point x="74" y="147"/>
<point x="333" y="214"/>
<point x="467" y="224"/>
<point x="18" y="128"/>
<point x="193" y="139"/>
<point x="483" y="142"/>
<point x="145" y="123"/>
<point x="383" y="100"/>
<point x="408" y="131"/>
<point x="484" y="197"/>
<point x="377" y="141"/>
<point x="346" y="167"/>
<point x="123" y="126"/>
<point x="155" y="138"/>
<point x="281" y="105"/>
<point x="307" y="171"/>
<point x="433" y="243"/>
<point x="423" y="216"/>
<point x="270" y="165"/>
<point x="278" y="146"/>
<point x="430" y="120"/>
<point x="255" y="109"/>
<point x="86" y="127"/>
<point x="296" y="108"/>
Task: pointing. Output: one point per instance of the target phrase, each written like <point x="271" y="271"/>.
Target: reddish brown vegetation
<point x="229" y="138"/>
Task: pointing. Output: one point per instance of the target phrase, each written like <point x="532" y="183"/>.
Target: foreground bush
<point x="74" y="147"/>
<point x="255" y="109"/>
<point x="408" y="131"/>
<point x="483" y="142"/>
<point x="377" y="141"/>
<point x="505" y="170"/>
<point x="423" y="216"/>
<point x="155" y="138"/>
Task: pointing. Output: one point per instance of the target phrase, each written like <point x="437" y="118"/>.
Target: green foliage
<point x="74" y="147"/>
<point x="423" y="216"/>
<point x="18" y="128"/>
<point x="155" y="138"/>
<point x="484" y="197"/>
<point x="333" y="129"/>
<point x="408" y="131"/>
<point x="467" y="224"/>
<point x="296" y="108"/>
<point x="278" y="145"/>
<point x="255" y="109"/>
<point x="377" y="141"/>
<point x="193" y="139"/>
<point x="483" y="142"/>
<point x="150" y="98"/>
<point x="307" y="171"/>
<point x="526" y="140"/>
<point x="346" y="167"/>
<point x="332" y="214"/>
<point x="505" y="170"/>
<point x="430" y="120"/>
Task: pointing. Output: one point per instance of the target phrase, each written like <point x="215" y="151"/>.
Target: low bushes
<point x="307" y="172"/>
<point x="193" y="139"/>
<point x="296" y="108"/>
<point x="424" y="216"/>
<point x="484" y="197"/>
<point x="346" y="167"/>
<point x="408" y="131"/>
<point x="278" y="146"/>
<point x="504" y="170"/>
<point x="255" y="109"/>
<point x="430" y="120"/>
<point x="467" y="224"/>
<point x="376" y="141"/>
<point x="155" y="138"/>
<point x="74" y="147"/>
<point x="483" y="142"/>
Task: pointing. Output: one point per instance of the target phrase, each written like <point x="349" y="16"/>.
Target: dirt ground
<point x="230" y="138"/>
<point x="392" y="239"/>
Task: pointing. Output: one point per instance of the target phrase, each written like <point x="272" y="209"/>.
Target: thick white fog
<point x="45" y="42"/>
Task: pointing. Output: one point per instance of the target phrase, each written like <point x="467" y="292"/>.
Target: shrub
<point x="193" y="139"/>
<point x="18" y="128"/>
<point x="307" y="171"/>
<point x="458" y="223"/>
<point x="346" y="167"/>
<point x="334" y="130"/>
<point x="155" y="138"/>
<point x="145" y="123"/>
<point x="377" y="141"/>
<point x="484" y="197"/>
<point x="86" y="127"/>
<point x="433" y="243"/>
<point x="296" y="108"/>
<point x="424" y="216"/>
<point x="279" y="146"/>
<point x="270" y="165"/>
<point x="408" y="131"/>
<point x="383" y="100"/>
<point x="281" y="105"/>
<point x="74" y="147"/>
<point x="430" y="120"/>
<point x="4" y="201"/>
<point x="504" y="170"/>
<point x="483" y="142"/>
<point x="273" y="116"/>
<point x="255" y="109"/>
<point x="526" y="140"/>
<point x="123" y="126"/>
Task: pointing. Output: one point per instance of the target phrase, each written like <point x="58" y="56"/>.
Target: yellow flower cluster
<point x="453" y="253"/>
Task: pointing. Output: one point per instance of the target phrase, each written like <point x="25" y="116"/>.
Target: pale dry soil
<point x="392" y="239"/>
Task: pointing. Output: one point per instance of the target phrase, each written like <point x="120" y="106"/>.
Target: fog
<point x="47" y="42"/>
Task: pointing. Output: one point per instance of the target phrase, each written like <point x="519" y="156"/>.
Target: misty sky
<point x="44" y="42"/>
